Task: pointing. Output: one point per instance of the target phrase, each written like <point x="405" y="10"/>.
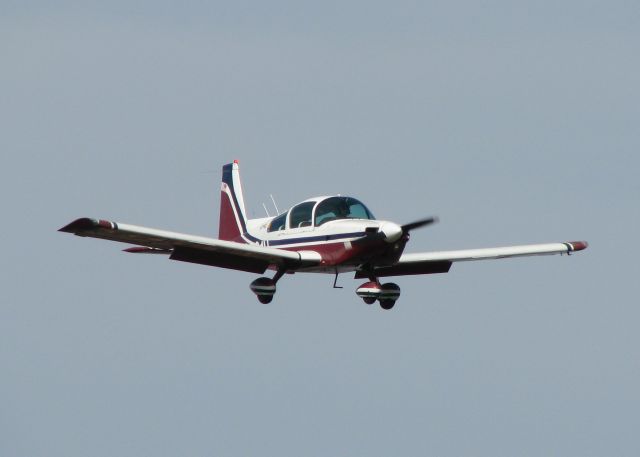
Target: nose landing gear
<point x="386" y="294"/>
<point x="369" y="292"/>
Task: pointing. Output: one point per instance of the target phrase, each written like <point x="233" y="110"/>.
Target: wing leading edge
<point x="193" y="249"/>
<point x="440" y="262"/>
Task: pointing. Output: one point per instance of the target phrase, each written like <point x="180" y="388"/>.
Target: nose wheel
<point x="387" y="294"/>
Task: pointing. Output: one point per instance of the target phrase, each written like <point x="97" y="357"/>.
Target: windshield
<point x="341" y="208"/>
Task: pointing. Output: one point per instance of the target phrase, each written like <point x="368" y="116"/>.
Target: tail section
<point x="233" y="219"/>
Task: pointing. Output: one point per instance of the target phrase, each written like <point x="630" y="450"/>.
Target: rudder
<point x="232" y="223"/>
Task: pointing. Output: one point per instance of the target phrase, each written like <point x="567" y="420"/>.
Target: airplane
<point x="329" y="234"/>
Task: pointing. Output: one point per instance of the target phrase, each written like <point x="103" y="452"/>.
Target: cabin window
<point x="301" y="215"/>
<point x="341" y="208"/>
<point x="278" y="223"/>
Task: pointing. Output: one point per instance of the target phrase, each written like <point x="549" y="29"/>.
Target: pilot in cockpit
<point x="341" y="210"/>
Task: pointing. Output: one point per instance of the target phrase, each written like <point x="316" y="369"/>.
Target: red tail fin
<point x="232" y="213"/>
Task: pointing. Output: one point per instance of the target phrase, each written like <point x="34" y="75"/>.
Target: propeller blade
<point x="391" y="232"/>
<point x="417" y="224"/>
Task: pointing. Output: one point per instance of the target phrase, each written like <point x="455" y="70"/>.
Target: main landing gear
<point x="370" y="292"/>
<point x="265" y="288"/>
<point x="386" y="294"/>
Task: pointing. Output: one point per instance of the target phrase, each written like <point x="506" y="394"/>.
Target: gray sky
<point x="514" y="122"/>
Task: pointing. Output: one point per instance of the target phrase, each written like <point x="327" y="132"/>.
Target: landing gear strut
<point x="265" y="288"/>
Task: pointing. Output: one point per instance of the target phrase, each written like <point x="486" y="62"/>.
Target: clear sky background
<point x="514" y="122"/>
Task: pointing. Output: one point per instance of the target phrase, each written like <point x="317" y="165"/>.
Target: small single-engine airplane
<point x="334" y="234"/>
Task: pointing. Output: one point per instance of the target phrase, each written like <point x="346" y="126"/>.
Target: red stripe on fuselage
<point x="336" y="253"/>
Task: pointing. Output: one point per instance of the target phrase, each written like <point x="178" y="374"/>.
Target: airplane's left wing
<point x="440" y="262"/>
<point x="193" y="249"/>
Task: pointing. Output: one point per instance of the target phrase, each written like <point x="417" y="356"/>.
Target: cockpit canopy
<point x="340" y="208"/>
<point x="317" y="212"/>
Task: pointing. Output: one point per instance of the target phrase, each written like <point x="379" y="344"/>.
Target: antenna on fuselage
<point x="273" y="200"/>
<point x="266" y="210"/>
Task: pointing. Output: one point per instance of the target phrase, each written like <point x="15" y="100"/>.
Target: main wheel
<point x="369" y="300"/>
<point x="264" y="288"/>
<point x="389" y="293"/>
<point x="387" y="304"/>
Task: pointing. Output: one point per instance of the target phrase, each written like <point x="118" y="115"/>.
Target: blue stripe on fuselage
<point x="314" y="239"/>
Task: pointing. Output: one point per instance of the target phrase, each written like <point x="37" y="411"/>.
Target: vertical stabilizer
<point x="233" y="217"/>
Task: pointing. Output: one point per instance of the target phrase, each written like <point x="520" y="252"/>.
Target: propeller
<point x="392" y="232"/>
<point x="417" y="224"/>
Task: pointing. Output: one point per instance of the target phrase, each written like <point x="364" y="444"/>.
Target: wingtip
<point x="86" y="223"/>
<point x="78" y="224"/>
<point x="578" y="245"/>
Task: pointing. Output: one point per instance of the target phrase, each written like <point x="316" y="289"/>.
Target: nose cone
<point x="391" y="231"/>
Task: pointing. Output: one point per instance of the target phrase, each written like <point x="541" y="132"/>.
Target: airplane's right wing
<point x="440" y="262"/>
<point x="194" y="249"/>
